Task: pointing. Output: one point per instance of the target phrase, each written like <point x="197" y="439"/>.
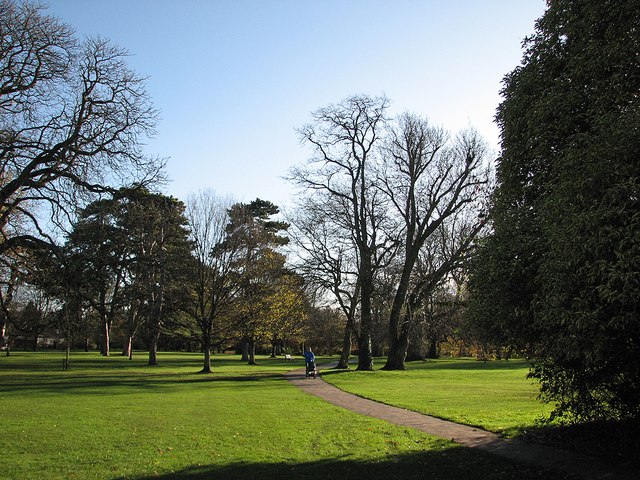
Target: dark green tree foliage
<point x="98" y="251"/>
<point x="560" y="276"/>
<point x="134" y="252"/>
<point x="31" y="321"/>
<point x="57" y="274"/>
<point x="155" y="229"/>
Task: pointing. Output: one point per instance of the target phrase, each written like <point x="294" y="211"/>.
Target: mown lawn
<point x="495" y="395"/>
<point x="109" y="418"/>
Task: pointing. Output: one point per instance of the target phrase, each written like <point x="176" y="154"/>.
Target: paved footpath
<point x="582" y="466"/>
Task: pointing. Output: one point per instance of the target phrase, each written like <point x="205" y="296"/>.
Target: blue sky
<point x="233" y="79"/>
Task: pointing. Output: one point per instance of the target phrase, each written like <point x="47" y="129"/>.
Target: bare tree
<point x="212" y="284"/>
<point x="323" y="253"/>
<point x="378" y="193"/>
<point x="434" y="184"/>
<point x="72" y="116"/>
<point x="344" y="138"/>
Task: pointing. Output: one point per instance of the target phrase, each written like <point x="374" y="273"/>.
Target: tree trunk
<point x="365" y="356"/>
<point x="127" y="349"/>
<point x="105" y="339"/>
<point x="7" y="338"/>
<point x="343" y="363"/>
<point x="397" y="354"/>
<point x="68" y="314"/>
<point x="65" y="364"/>
<point x="252" y="353"/>
<point x="398" y="346"/>
<point x="155" y="324"/>
<point x="206" y="347"/>
<point x="245" y="351"/>
<point x="399" y="332"/>
<point x="433" y="347"/>
<point x="153" y="353"/>
<point x="153" y="348"/>
<point x="67" y="353"/>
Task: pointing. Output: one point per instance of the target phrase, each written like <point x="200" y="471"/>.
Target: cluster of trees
<point x="85" y="239"/>
<point x="89" y="245"/>
<point x="239" y="286"/>
<point x="209" y="273"/>
<point x="559" y="276"/>
<point x="72" y="118"/>
<point x="389" y="211"/>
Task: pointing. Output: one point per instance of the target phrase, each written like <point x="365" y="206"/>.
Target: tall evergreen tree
<point x="560" y="276"/>
<point x="258" y="266"/>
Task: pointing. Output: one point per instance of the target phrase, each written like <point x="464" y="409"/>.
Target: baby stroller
<point x="311" y="369"/>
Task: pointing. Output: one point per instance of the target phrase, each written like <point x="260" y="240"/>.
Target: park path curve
<point x="582" y="466"/>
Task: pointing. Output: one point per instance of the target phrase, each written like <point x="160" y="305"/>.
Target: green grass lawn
<point x="111" y="418"/>
<point x="495" y="395"/>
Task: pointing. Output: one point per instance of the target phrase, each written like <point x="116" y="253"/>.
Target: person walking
<point x="310" y="362"/>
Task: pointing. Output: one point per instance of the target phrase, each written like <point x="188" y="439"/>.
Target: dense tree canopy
<point x="132" y="254"/>
<point x="560" y="276"/>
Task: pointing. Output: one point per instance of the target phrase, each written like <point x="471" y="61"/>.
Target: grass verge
<point x="494" y="395"/>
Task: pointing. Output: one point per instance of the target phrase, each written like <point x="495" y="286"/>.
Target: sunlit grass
<point x="495" y="395"/>
<point x="110" y="418"/>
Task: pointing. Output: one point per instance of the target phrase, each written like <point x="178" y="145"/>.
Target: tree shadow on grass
<point x="114" y="384"/>
<point x="52" y="361"/>
<point x="449" y="464"/>
<point x="427" y="365"/>
<point x="324" y="373"/>
<point x="617" y="442"/>
<point x="470" y="364"/>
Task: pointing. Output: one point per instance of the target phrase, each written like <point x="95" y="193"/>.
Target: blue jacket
<point x="309" y="357"/>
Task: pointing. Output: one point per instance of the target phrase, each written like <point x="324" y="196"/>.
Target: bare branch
<point x="72" y="118"/>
